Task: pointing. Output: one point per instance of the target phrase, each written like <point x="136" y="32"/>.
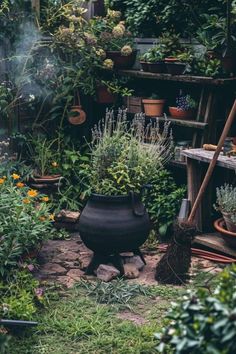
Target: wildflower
<point x="30" y="267"/>
<point x="126" y="50"/>
<point x="20" y="185"/>
<point x="39" y="293"/>
<point x="90" y="39"/>
<point x="106" y="36"/>
<point x="54" y="164"/>
<point x="31" y="98"/>
<point x="4" y="177"/>
<point x="74" y="18"/>
<point x="42" y="218"/>
<point x="26" y="201"/>
<point x="118" y="31"/>
<point x="52" y="217"/>
<point x="45" y="199"/>
<point x="15" y="176"/>
<point x="113" y="14"/>
<point x="32" y="193"/>
<point x="2" y="180"/>
<point x="101" y="53"/>
<point x="108" y="64"/>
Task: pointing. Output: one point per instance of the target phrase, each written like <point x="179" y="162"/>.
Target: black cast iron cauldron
<point x="114" y="224"/>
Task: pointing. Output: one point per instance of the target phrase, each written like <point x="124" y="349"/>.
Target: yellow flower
<point x="45" y="199"/>
<point x="118" y="31"/>
<point x="32" y="193"/>
<point x="108" y="64"/>
<point x="4" y="177"/>
<point x="42" y="218"/>
<point x="54" y="164"/>
<point x="26" y="201"/>
<point x="15" y="176"/>
<point x="52" y="217"/>
<point x="126" y="50"/>
<point x="20" y="185"/>
<point x="2" y="180"/>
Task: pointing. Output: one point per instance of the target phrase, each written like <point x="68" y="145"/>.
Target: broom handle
<point x="211" y="167"/>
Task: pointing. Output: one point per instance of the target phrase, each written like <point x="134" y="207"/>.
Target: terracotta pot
<point x="171" y="60"/>
<point x="76" y="116"/>
<point x="158" y="67"/>
<point x="228" y="236"/>
<point x="48" y="179"/>
<point x="153" y="108"/>
<point x="229" y="224"/>
<point x="105" y="96"/>
<point x="180" y="114"/>
<point x="121" y="61"/>
<point x="144" y="65"/>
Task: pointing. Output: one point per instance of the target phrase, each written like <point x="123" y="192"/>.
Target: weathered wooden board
<point x="182" y="78"/>
<point x="206" y="156"/>
<point x="186" y="123"/>
<point x="214" y="242"/>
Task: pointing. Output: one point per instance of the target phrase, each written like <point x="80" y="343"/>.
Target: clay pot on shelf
<point x="174" y="66"/>
<point x="104" y="96"/>
<point x="228" y="222"/>
<point x="121" y="61"/>
<point x="153" y="107"/>
<point x="181" y="114"/>
<point x="228" y="236"/>
<point x="158" y="67"/>
<point x="76" y="115"/>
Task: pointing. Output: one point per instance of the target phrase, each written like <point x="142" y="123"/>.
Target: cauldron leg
<point x="94" y="263"/>
<point x="118" y="263"/>
<point x="137" y="252"/>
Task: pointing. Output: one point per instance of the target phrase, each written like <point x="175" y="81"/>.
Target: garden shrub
<point x="149" y="18"/>
<point x="203" y="322"/>
<point x="163" y="201"/>
<point x="24" y="221"/>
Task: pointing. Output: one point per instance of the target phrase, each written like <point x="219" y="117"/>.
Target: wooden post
<point x="99" y="8"/>
<point x="35" y="4"/>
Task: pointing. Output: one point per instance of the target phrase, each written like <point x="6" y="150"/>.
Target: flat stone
<point x="69" y="256"/>
<point x="136" y="260"/>
<point x="106" y="272"/>
<point x="69" y="245"/>
<point x="131" y="271"/>
<point x="52" y="269"/>
<point x="84" y="260"/>
<point x="68" y="216"/>
<point x="75" y="274"/>
<point x="66" y="281"/>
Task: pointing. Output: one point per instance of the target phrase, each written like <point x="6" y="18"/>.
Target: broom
<point x="174" y="266"/>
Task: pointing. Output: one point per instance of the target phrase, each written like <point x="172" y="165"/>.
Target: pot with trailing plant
<point x="153" y="60"/>
<point x="114" y="219"/>
<point x="42" y="154"/>
<point x="154" y="106"/>
<point x="185" y="107"/>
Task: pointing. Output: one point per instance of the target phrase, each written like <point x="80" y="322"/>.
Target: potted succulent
<point x="185" y="107"/>
<point x="153" y="59"/>
<point x="154" y="106"/>
<point x="114" y="219"/>
<point x="226" y="204"/>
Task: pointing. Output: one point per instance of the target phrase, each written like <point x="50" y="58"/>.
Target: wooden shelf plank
<point x="182" y="78"/>
<point x="214" y="242"/>
<point x="185" y="123"/>
<point x="206" y="156"/>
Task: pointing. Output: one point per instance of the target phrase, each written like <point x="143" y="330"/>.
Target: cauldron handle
<point x="137" y="206"/>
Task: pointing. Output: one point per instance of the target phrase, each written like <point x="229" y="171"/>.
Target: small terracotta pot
<point x="121" y="61"/>
<point x="228" y="236"/>
<point x="229" y="224"/>
<point x="105" y="96"/>
<point x="77" y="116"/>
<point x="180" y="114"/>
<point x="153" y="108"/>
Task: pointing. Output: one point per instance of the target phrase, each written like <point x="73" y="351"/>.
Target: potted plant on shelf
<point x="154" y="106"/>
<point x="185" y="107"/>
<point x="226" y="204"/>
<point x="153" y="60"/>
<point x="114" y="219"/>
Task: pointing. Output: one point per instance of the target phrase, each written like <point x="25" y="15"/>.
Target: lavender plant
<point x="226" y="199"/>
<point x="122" y="160"/>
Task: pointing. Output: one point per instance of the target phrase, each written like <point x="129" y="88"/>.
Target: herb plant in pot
<point x="114" y="219"/>
<point x="226" y="204"/>
<point x="153" y="60"/>
<point x="185" y="107"/>
<point x="154" y="106"/>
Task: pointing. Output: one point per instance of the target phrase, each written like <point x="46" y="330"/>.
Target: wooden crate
<point x="134" y="104"/>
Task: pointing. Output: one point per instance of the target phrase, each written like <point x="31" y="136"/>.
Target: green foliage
<point x="204" y="66"/>
<point x="163" y="201"/>
<point x="120" y="159"/>
<point x="203" y="322"/>
<point x="23" y="226"/>
<point x="5" y="99"/>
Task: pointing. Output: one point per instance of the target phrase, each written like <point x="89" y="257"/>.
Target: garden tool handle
<point x="211" y="167"/>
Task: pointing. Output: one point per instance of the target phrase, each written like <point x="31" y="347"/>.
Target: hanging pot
<point x="122" y="61"/>
<point x="77" y="116"/>
<point x="114" y="224"/>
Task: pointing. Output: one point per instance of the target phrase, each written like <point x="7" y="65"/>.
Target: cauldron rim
<point x="110" y="198"/>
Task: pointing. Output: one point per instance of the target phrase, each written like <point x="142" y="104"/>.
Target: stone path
<point x="64" y="261"/>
